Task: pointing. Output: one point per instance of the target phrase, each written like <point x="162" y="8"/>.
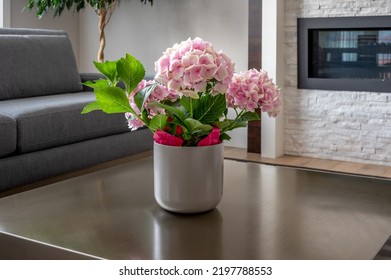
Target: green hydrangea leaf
<point x="97" y="84"/>
<point x="174" y="111"/>
<point x="141" y="97"/>
<point x="109" y="70"/>
<point x="93" y="106"/>
<point x="249" y="116"/>
<point x="236" y="124"/>
<point x="190" y="104"/>
<point x="158" y="122"/>
<point x="196" y="127"/>
<point x="210" y="108"/>
<point x="113" y="100"/>
<point x="222" y="124"/>
<point x="225" y="137"/>
<point x="130" y="71"/>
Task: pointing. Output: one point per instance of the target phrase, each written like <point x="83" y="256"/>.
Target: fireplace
<point x="345" y="53"/>
<point x="326" y="121"/>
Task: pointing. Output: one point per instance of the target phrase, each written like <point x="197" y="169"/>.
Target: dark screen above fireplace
<point x="347" y="53"/>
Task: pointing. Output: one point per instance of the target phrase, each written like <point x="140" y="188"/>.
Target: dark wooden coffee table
<point x="267" y="212"/>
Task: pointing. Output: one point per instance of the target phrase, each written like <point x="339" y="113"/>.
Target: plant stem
<point x="103" y="21"/>
<point x="191" y="107"/>
<point x="102" y="38"/>
<point x="238" y="115"/>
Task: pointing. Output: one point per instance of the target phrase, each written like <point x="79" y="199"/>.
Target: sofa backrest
<point x="35" y="62"/>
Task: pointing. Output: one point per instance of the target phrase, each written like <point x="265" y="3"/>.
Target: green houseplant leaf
<point x="248" y="116"/>
<point x="113" y="100"/>
<point x="93" y="106"/>
<point x="97" y="84"/>
<point x="196" y="127"/>
<point x="190" y="104"/>
<point x="108" y="69"/>
<point x="158" y="122"/>
<point x="174" y="111"/>
<point x="110" y="97"/>
<point x="141" y="97"/>
<point x="130" y="71"/>
<point x="210" y="108"/>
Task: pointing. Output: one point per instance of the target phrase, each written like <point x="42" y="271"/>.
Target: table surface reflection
<point x="267" y="212"/>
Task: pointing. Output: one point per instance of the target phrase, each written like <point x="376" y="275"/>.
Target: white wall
<point x="68" y="21"/>
<point x="5" y="8"/>
<point x="272" y="132"/>
<point x="145" y="31"/>
<point x="1" y="14"/>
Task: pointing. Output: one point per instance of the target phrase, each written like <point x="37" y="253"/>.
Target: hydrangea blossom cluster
<point x="193" y="65"/>
<point x="186" y="103"/>
<point x="159" y="93"/>
<point x="254" y="89"/>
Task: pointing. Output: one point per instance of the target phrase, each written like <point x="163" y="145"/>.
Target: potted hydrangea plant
<point x="186" y="108"/>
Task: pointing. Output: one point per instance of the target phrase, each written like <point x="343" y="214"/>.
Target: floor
<point x="353" y="168"/>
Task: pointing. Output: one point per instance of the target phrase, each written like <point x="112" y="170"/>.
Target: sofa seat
<point x="44" y="122"/>
<point x="7" y="135"/>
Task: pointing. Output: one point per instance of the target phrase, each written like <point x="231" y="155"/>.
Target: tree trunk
<point x="102" y="38"/>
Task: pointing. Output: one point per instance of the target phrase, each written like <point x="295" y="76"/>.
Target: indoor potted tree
<point x="103" y="8"/>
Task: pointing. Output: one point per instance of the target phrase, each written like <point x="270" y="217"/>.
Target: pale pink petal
<point x="221" y="73"/>
<point x="174" y="85"/>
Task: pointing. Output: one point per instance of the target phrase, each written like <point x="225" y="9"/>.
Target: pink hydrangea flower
<point x="133" y="122"/>
<point x="192" y="65"/>
<point x="254" y="89"/>
<point x="159" y="93"/>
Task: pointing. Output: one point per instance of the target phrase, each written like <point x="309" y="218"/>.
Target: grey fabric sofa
<point x="42" y="132"/>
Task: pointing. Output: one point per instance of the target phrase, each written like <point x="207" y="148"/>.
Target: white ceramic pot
<point x="188" y="179"/>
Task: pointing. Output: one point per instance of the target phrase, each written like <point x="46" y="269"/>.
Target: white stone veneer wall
<point x="339" y="125"/>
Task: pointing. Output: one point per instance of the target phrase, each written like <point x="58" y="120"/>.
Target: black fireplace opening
<point x="347" y="53"/>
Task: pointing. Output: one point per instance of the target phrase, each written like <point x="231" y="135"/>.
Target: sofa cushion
<point x="7" y="135"/>
<point x="35" y="64"/>
<point x="49" y="121"/>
